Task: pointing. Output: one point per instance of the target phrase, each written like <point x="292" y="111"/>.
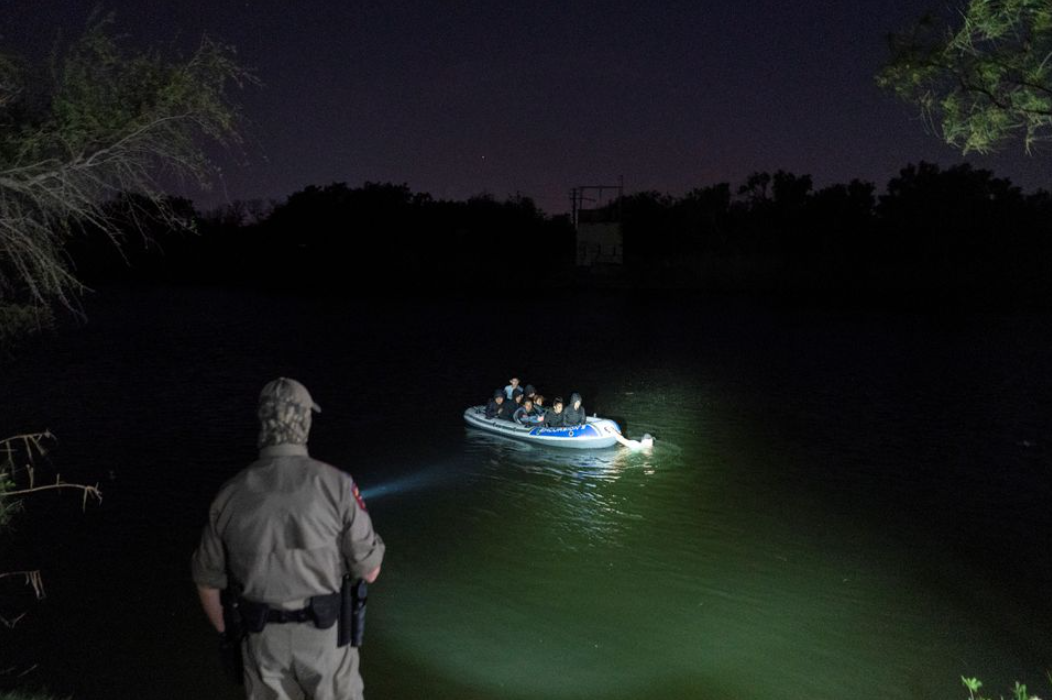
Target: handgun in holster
<point x="230" y="641"/>
<point x="353" y="595"/>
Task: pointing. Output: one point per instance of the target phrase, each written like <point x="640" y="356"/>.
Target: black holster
<point x="353" y="595"/>
<point x="253" y="615"/>
<point x="230" y="641"/>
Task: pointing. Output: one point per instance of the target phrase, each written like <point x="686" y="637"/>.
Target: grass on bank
<point x="973" y="685"/>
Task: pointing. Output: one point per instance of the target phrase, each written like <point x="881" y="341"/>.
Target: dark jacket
<point x="574" y="416"/>
<point x="521" y="416"/>
<point x="554" y="420"/>
<point x="507" y="409"/>
<point x="492" y="409"/>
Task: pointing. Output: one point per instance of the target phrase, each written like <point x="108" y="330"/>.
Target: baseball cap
<point x="288" y="390"/>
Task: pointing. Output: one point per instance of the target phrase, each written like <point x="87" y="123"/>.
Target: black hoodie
<point x="507" y="409"/>
<point x="572" y="416"/>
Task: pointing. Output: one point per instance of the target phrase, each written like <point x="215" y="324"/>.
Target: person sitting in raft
<point x="512" y="388"/>
<point x="529" y="392"/>
<point x="575" y="413"/>
<point x="517" y="403"/>
<point x="507" y="409"/>
<point x="536" y="412"/>
<point x="493" y="407"/>
<point x="555" y="418"/>
<point x="524" y="414"/>
<point x="538" y="406"/>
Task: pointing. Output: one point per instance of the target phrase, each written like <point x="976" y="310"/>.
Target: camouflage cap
<point x="285" y="390"/>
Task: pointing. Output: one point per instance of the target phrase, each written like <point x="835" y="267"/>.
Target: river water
<point x="838" y="504"/>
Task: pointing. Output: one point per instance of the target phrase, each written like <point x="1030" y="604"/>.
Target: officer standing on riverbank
<point x="283" y="533"/>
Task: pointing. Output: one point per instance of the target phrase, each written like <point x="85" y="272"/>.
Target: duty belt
<point x="282" y="616"/>
<point x="322" y="610"/>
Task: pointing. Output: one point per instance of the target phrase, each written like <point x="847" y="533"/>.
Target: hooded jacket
<point x="574" y="416"/>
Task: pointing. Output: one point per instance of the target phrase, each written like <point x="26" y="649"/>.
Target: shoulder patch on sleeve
<point x="358" y="496"/>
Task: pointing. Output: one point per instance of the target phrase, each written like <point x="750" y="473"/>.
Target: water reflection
<point x="563" y="536"/>
<point x="604" y="464"/>
<point x="616" y="573"/>
<point x="568" y="491"/>
<point x="834" y="508"/>
<point x="590" y="463"/>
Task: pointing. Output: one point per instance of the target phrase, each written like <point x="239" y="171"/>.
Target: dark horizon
<point x="955" y="238"/>
<point x="533" y="101"/>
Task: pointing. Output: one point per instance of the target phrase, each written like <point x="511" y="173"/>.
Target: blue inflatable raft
<point x="596" y="434"/>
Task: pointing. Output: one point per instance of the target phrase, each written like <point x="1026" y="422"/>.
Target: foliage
<point x="342" y="237"/>
<point x="935" y="235"/>
<point x="18" y="457"/>
<point x="1019" y="691"/>
<point x="983" y="81"/>
<point x="99" y="121"/>
<point x="17" y="320"/>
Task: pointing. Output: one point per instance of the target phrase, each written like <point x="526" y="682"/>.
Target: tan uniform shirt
<point x="290" y="526"/>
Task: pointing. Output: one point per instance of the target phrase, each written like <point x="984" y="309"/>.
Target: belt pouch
<point x="253" y="615"/>
<point x="325" y="609"/>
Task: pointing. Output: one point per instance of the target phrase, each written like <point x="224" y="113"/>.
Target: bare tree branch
<point x="115" y="123"/>
<point x="32" y="578"/>
<point x="89" y="491"/>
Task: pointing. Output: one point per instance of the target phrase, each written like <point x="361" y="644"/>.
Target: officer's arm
<point x="213" y="607"/>
<point x="362" y="548"/>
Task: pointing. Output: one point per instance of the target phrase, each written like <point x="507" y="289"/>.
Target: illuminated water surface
<point x="837" y="505"/>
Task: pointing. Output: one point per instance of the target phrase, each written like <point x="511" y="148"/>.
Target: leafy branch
<point x="983" y="81"/>
<point x="96" y="124"/>
<point x="18" y="455"/>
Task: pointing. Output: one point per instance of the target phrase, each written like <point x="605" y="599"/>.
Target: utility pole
<point x="598" y="239"/>
<point x="579" y="195"/>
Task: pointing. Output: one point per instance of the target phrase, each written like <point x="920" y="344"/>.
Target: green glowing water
<point x="700" y="570"/>
<point x="837" y="506"/>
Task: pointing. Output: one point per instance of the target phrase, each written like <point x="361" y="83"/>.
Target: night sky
<point x="461" y="98"/>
